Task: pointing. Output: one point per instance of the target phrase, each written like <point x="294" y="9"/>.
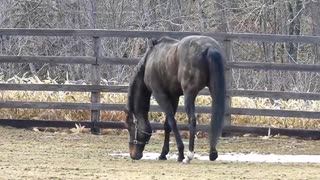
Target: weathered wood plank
<point x="95" y="80"/>
<point x="62" y="105"/>
<point x="274" y="94"/>
<point x="155" y="108"/>
<point x="48" y="59"/>
<point x="60" y="87"/>
<point x="89" y="33"/>
<point x="262" y="131"/>
<point x="272" y="37"/>
<point x="119" y="61"/>
<point x="157" y="34"/>
<point x="48" y="105"/>
<point x="227" y="44"/>
<point x="274" y="66"/>
<point x="124" y="89"/>
<point x="134" y="61"/>
<point x="68" y="60"/>
<point x="274" y="113"/>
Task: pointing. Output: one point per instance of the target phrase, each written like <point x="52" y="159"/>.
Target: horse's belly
<point x="174" y="88"/>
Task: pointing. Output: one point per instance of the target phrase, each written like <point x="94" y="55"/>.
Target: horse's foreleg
<point x="165" y="148"/>
<point x="173" y="125"/>
<point x="190" y="110"/>
<point x="169" y="106"/>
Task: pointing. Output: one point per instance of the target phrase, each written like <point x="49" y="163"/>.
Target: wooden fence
<point x="96" y="60"/>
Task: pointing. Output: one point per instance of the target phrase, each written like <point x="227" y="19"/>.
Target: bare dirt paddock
<point x="27" y="154"/>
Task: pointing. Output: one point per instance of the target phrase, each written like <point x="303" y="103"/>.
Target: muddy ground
<point x="29" y="154"/>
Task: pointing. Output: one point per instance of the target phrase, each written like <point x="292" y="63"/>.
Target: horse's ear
<point x="126" y="125"/>
<point x="153" y="42"/>
<point x="126" y="121"/>
<point x="126" y="110"/>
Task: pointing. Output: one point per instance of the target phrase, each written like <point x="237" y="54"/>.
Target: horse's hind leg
<point x="165" y="103"/>
<point x="167" y="130"/>
<point x="189" y="99"/>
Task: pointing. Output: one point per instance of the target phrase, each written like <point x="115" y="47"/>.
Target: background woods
<point x="290" y="17"/>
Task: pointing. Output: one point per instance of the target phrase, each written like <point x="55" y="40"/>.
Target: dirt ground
<point x="28" y="154"/>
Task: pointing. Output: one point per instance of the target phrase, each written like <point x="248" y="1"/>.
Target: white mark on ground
<point x="239" y="157"/>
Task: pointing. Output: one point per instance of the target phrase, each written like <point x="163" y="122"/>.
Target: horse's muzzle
<point x="136" y="156"/>
<point x="136" y="151"/>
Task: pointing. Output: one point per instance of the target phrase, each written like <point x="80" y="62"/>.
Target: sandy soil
<point x="27" y="154"/>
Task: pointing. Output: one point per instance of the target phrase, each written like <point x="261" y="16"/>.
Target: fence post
<point x="227" y="44"/>
<point x="95" y="80"/>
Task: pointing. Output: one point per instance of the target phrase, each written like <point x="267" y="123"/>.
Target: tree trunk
<point x="315" y="16"/>
<point x="152" y="7"/>
<point x="294" y="29"/>
<point x="266" y="45"/>
<point x="221" y="6"/>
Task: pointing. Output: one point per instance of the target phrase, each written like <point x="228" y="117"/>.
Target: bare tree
<point x="314" y="7"/>
<point x="295" y="11"/>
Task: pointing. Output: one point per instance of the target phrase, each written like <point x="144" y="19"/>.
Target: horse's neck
<point x="139" y="95"/>
<point x="142" y="98"/>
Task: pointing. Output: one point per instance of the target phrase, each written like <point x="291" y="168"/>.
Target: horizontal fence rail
<point x="68" y="60"/>
<point x="262" y="131"/>
<point x="155" y="108"/>
<point x="274" y="66"/>
<point x="124" y="89"/>
<point x="134" y="61"/>
<point x="157" y="34"/>
<point x="48" y="59"/>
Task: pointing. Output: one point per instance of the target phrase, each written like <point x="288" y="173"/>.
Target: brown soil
<point x="27" y="154"/>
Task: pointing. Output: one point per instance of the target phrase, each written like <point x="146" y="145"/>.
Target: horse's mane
<point x="138" y="76"/>
<point x="164" y="39"/>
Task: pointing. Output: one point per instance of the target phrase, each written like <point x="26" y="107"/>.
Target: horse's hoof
<point x="186" y="161"/>
<point x="162" y="157"/>
<point x="180" y="159"/>
<point x="188" y="158"/>
<point x="213" y="156"/>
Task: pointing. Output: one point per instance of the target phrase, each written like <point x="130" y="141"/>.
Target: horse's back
<point x="193" y="72"/>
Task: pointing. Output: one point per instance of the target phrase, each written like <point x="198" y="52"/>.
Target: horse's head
<point x="139" y="134"/>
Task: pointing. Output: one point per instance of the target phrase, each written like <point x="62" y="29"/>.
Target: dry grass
<point x="120" y="98"/>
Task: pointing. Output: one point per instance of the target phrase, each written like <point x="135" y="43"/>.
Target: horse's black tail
<point x="218" y="93"/>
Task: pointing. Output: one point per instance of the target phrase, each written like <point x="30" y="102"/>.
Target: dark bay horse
<point x="169" y="69"/>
